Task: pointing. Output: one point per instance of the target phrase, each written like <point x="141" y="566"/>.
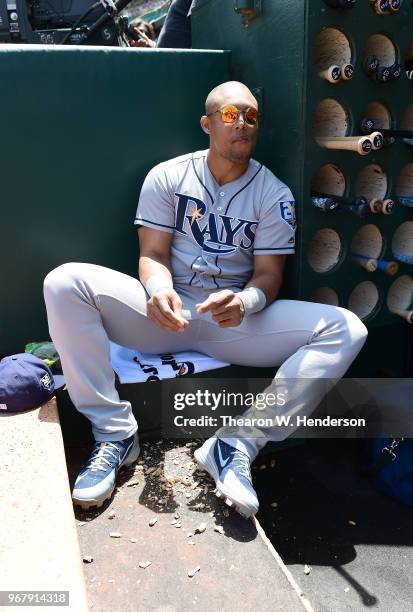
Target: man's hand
<point x="226" y="307"/>
<point x="165" y="310"/>
<point x="143" y="40"/>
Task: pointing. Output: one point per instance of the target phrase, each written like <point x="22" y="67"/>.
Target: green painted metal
<point x="276" y="54"/>
<point x="80" y="129"/>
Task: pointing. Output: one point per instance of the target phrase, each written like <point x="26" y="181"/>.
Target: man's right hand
<point x="165" y="310"/>
<point x="143" y="40"/>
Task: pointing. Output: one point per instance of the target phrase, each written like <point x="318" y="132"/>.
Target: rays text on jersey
<point x="219" y="230"/>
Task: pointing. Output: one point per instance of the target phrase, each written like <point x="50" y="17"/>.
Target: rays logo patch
<point x="287" y="210"/>
<point x="46" y="382"/>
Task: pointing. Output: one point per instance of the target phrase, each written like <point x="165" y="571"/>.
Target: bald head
<point x="225" y="92"/>
<point x="232" y="141"/>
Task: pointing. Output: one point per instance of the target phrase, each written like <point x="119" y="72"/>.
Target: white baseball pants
<point x="88" y="305"/>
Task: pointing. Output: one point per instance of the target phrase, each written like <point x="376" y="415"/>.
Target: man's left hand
<point x="226" y="308"/>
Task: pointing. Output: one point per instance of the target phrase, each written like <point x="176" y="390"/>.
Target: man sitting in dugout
<point x="215" y="228"/>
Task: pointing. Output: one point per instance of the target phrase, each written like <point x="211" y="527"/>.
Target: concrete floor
<point x="354" y="567"/>
<point x="309" y="493"/>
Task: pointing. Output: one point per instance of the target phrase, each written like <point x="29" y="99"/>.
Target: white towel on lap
<point x="132" y="366"/>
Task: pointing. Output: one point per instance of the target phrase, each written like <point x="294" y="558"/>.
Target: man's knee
<point x="353" y="330"/>
<point x="61" y="280"/>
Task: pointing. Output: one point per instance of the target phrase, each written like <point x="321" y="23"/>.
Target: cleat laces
<point x="243" y="464"/>
<point x="98" y="460"/>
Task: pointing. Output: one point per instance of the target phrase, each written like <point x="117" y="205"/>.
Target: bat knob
<point x="366" y="146"/>
<point x="371" y="63"/>
<point x="383" y="74"/>
<point x="395" y="71"/>
<point x="336" y="73"/>
<point x="347" y="71"/>
<point x="378" y="141"/>
<point x="395" y="5"/>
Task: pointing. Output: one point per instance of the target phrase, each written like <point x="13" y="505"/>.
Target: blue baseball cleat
<point x="96" y="480"/>
<point x="231" y="470"/>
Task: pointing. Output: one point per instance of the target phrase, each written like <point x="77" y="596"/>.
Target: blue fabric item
<point x="395" y="478"/>
<point x="25" y="382"/>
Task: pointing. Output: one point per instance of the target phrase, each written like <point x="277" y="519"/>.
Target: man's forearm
<point x="154" y="266"/>
<point x="268" y="283"/>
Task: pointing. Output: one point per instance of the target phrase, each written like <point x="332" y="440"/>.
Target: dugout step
<point x="39" y="546"/>
<point x="237" y="569"/>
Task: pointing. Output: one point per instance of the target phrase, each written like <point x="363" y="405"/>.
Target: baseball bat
<point x="395" y="71"/>
<point x="371" y="264"/>
<point x="367" y="127"/>
<point x="357" y="206"/>
<point x="345" y="201"/>
<point x="375" y="205"/>
<point x="388" y="267"/>
<point x="375" y="71"/>
<point x="360" y="210"/>
<point x="381" y="7"/>
<point x="407" y="259"/>
<point x="376" y="140"/>
<point x="331" y="74"/>
<point x="407" y="315"/>
<point x="382" y="74"/>
<point x="342" y="4"/>
<point x="388" y="141"/>
<point x="326" y="204"/>
<point x="367" y="263"/>
<point x="395" y="5"/>
<point x="371" y="64"/>
<point x="347" y="72"/>
<point x="358" y="144"/>
<point x="388" y="207"/>
<point x="405" y="201"/>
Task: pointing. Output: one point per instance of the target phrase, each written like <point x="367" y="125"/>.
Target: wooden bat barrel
<point x="359" y="144"/>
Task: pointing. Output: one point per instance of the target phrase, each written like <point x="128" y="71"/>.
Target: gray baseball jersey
<point x="217" y="229"/>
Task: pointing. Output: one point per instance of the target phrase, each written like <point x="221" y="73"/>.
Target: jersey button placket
<point x="221" y="195"/>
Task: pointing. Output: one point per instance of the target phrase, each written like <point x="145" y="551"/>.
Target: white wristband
<point x="253" y="299"/>
<point x="157" y="282"/>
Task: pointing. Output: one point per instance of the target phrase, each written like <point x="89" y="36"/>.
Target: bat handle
<point x="331" y="74"/>
<point x="365" y="262"/>
<point x="388" y="267"/>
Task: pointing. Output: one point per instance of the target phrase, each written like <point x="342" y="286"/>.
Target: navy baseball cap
<point x="26" y="382"/>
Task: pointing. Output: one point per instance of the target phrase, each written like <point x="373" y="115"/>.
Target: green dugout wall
<point x="82" y="126"/>
<point x="280" y="55"/>
<point x="80" y="129"/>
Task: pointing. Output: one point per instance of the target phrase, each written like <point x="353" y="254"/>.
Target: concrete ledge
<point x="39" y="546"/>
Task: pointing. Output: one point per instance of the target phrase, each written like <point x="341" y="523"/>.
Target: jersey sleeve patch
<point x="287" y="212"/>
